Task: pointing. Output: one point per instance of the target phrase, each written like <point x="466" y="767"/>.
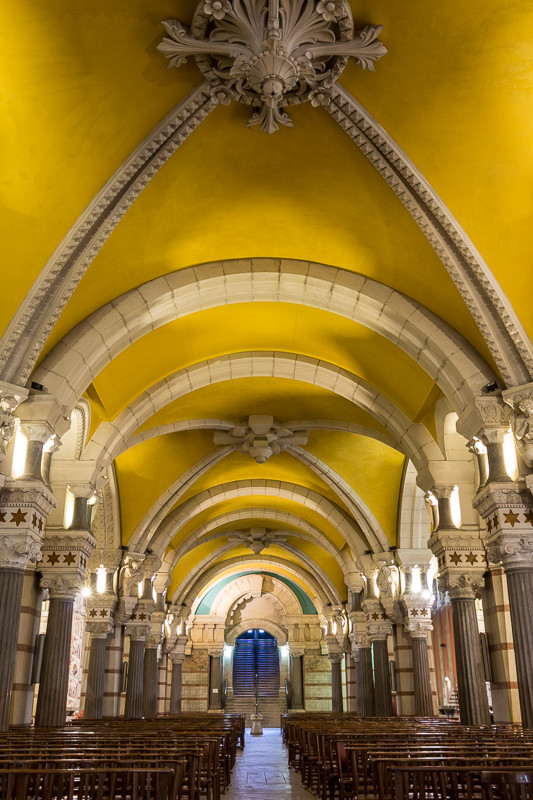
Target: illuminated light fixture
<point x="261" y="630"/>
<point x="402" y="582"/>
<point x="509" y="455"/>
<point x="19" y="453"/>
<point x="85" y="592"/>
<point x="479" y="447"/>
<point x="140" y="588"/>
<point x="68" y="514"/>
<point x="250" y="631"/>
<point x="416" y="582"/>
<point x="101" y="575"/>
<point x="455" y="507"/>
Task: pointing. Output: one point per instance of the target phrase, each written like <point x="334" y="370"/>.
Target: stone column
<point x="134" y="689"/>
<point x="114" y="654"/>
<point x="296" y="679"/>
<point x="24" y="508"/>
<point x="215" y="679"/>
<point x="53" y="687"/>
<point x="336" y="682"/>
<point x="462" y="562"/>
<point x="379" y="628"/>
<point x="417" y="622"/>
<point x="149" y="707"/>
<point x="63" y="570"/>
<point x="94" y="698"/>
<point x="368" y="703"/>
<point x="508" y="511"/>
<point x="175" y="687"/>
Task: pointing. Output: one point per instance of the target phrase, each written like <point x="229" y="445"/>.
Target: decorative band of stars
<point x="68" y="558"/>
<point x="98" y="612"/>
<point x="511" y="518"/>
<point x="419" y="612"/>
<point x="19" y="516"/>
<point x="456" y="558"/>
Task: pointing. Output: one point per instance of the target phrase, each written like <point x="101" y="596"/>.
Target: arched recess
<point x="188" y="591"/>
<point x="242" y="587"/>
<point x="270" y="627"/>
<point x="414" y="528"/>
<point x="412" y="439"/>
<point x="503" y="332"/>
<point x="446" y="356"/>
<point x="241" y="489"/>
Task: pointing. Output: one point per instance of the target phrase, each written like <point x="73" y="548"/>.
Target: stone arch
<point x="443" y="353"/>
<point x="271" y="627"/>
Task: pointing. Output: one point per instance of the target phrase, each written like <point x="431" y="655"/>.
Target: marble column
<point x="421" y="676"/>
<point x="94" y="698"/>
<point x="473" y="701"/>
<point x="24" y="508"/>
<point x="296" y="679"/>
<point x="382" y="681"/>
<point x="150" y="674"/>
<point x="11" y="581"/>
<point x="134" y="689"/>
<point x="520" y="587"/>
<point x="175" y="686"/>
<point x="215" y="672"/>
<point x="462" y="562"/>
<point x="336" y="682"/>
<point x="53" y="686"/>
<point x="367" y="702"/>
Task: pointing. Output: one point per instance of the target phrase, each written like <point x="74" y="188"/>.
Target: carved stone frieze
<point x="520" y="399"/>
<point x="25" y="504"/>
<point x="270" y="54"/>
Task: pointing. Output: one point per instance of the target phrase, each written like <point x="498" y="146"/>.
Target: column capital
<point x="378" y="624"/>
<point x="486" y="417"/>
<point x="65" y="559"/>
<point x="508" y="512"/>
<point x="98" y="630"/>
<point x="417" y="626"/>
<point x="10" y="397"/>
<point x="336" y="657"/>
<point x="152" y="641"/>
<point x="461" y="559"/>
<point x="177" y="658"/>
<point x="136" y="631"/>
<point x="100" y="608"/>
<point x="17" y="550"/>
<point x="520" y="400"/>
<point x="62" y="586"/>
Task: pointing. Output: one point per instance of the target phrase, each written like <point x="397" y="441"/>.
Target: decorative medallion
<point x="270" y="54"/>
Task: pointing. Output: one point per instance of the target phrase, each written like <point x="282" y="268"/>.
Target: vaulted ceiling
<point x="302" y="276"/>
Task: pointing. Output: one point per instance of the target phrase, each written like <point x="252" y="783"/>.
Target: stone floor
<point x="261" y="771"/>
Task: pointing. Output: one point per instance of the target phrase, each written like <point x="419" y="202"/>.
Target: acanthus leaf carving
<point x="272" y="54"/>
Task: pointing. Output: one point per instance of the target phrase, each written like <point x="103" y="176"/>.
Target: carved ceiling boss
<point x="270" y="54"/>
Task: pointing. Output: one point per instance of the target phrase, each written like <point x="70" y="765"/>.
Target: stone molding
<point x="100" y="608"/>
<point x="64" y="562"/>
<point x="500" y="327"/>
<point x="33" y="496"/>
<point x="458" y="554"/>
<point x="271" y="55"/>
<point x="508" y="513"/>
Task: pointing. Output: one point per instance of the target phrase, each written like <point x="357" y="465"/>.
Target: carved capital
<point x="378" y="624"/>
<point x="98" y="630"/>
<point x="485" y="418"/>
<point x="67" y="554"/>
<point x="152" y="641"/>
<point x="512" y="550"/>
<point x="17" y="550"/>
<point x="336" y="657"/>
<point x="464" y="586"/>
<point x="100" y="607"/>
<point x="62" y="586"/>
<point x="458" y="553"/>
<point x="417" y="628"/>
<point x="136" y="631"/>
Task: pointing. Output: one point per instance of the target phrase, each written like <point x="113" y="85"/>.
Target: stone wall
<point x="317" y="682"/>
<point x="195" y="681"/>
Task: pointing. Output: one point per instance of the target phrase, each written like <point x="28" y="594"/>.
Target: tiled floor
<point x="262" y="772"/>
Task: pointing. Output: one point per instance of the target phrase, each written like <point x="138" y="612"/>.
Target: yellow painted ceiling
<point x="83" y="84"/>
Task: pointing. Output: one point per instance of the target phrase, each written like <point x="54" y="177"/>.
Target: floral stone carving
<point x="270" y="54"/>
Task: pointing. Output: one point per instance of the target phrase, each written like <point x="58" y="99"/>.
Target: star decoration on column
<point x="529" y="517"/>
<point x="34" y="520"/>
<point x="69" y="559"/>
<point x="511" y="518"/>
<point x="53" y="558"/>
<point x="489" y="525"/>
<point x="18" y="517"/>
<point x="375" y="615"/>
<point x="142" y="616"/>
<point x="2" y="516"/>
<point x="455" y="558"/>
<point x="93" y="612"/>
<point x="415" y="612"/>
<point x="495" y="521"/>
<point x="40" y="524"/>
<point x="424" y="612"/>
<point x="103" y="612"/>
<point x="471" y="558"/>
